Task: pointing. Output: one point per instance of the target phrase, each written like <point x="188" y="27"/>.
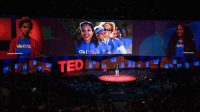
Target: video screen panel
<point x="166" y="38"/>
<point x="51" y="36"/>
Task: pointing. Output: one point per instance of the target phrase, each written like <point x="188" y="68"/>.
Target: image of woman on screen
<point x="125" y="38"/>
<point x="87" y="42"/>
<point x="116" y="46"/>
<point x="100" y="33"/>
<point x="181" y="42"/>
<point x="24" y="46"/>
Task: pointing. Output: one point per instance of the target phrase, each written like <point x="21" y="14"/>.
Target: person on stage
<point x="105" y="69"/>
<point x="117" y="70"/>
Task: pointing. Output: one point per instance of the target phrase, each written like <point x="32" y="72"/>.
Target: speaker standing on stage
<point x="117" y="70"/>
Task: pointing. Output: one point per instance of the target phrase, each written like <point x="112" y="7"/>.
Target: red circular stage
<point x="120" y="78"/>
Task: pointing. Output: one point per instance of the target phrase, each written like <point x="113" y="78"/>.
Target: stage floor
<point x="120" y="78"/>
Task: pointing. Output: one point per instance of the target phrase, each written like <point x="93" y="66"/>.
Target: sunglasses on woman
<point x="106" y="29"/>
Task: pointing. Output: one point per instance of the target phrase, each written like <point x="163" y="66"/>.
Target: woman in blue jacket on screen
<point x="115" y="45"/>
<point x="181" y="42"/>
<point x="87" y="42"/>
<point x="100" y="33"/>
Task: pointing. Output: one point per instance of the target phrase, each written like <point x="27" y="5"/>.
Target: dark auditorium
<point x="99" y="56"/>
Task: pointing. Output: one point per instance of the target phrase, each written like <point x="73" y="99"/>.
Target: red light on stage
<point x="71" y="65"/>
<point x="120" y="78"/>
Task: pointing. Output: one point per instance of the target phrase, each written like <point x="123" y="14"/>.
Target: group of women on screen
<point x="101" y="39"/>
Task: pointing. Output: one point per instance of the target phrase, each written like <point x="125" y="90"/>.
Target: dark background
<point x="122" y="9"/>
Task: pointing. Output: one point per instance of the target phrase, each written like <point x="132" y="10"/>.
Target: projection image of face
<point x="180" y="31"/>
<point x="86" y="32"/>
